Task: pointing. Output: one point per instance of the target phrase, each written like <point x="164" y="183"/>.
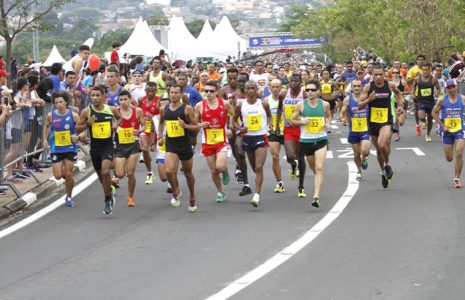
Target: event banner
<point x="280" y="40"/>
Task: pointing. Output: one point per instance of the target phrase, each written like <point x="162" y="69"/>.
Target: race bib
<point x="215" y="136"/>
<point x="426" y="92"/>
<point x="162" y="148"/>
<point x="289" y="111"/>
<point x="126" y="135"/>
<point x="359" y="124"/>
<point x="281" y="122"/>
<point x="315" y="125"/>
<point x="453" y="124"/>
<point x="148" y="126"/>
<point x="173" y="129"/>
<point x="379" y="115"/>
<point x="63" y="138"/>
<point x="326" y="88"/>
<point x="101" y="130"/>
<point x="254" y="122"/>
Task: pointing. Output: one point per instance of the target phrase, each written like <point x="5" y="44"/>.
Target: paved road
<point x="406" y="242"/>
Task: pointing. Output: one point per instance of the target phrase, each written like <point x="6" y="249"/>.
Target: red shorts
<point x="292" y="133"/>
<point x="209" y="150"/>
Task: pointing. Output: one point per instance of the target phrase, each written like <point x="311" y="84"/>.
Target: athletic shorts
<point x="276" y="138"/>
<point x="292" y="133"/>
<point x="124" y="151"/>
<point x="99" y="155"/>
<point x="357" y="137"/>
<point x="374" y="128"/>
<point x="309" y="149"/>
<point x="450" y="138"/>
<point x="57" y="157"/>
<point x="252" y="143"/>
<point x="183" y="156"/>
<point x="209" y="150"/>
<point x="426" y="107"/>
<point x="332" y="104"/>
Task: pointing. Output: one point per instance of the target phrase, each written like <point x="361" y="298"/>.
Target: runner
<point x="60" y="138"/>
<point x="314" y="117"/>
<point x="157" y="76"/>
<point x="150" y="108"/>
<point x="102" y="120"/>
<point x="127" y="142"/>
<point x="359" y="136"/>
<point x="377" y="95"/>
<point x="137" y="88"/>
<point x="451" y="107"/>
<point x="329" y="90"/>
<point x="412" y="74"/>
<point x="257" y="117"/>
<point x="427" y="88"/>
<point x="113" y="87"/>
<point x="161" y="150"/>
<point x="177" y="117"/>
<point x="401" y="85"/>
<point x="287" y="103"/>
<point x="275" y="137"/>
<point x="212" y="115"/>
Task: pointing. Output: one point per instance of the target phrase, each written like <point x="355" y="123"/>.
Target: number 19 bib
<point x="173" y="129"/>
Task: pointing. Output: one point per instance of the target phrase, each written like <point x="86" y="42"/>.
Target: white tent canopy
<point x="54" y="57"/>
<point x="141" y="41"/>
<point x="227" y="41"/>
<point x="182" y="44"/>
<point x="206" y="35"/>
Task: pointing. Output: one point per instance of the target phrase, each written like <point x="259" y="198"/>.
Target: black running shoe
<point x="384" y="181"/>
<point x="245" y="191"/>
<point x="239" y="177"/>
<point x="388" y="171"/>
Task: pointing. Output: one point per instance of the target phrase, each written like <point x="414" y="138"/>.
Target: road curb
<point x="47" y="188"/>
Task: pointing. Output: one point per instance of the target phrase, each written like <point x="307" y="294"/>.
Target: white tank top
<point x="254" y="117"/>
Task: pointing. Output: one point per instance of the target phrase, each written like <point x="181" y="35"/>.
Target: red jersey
<point x="215" y="133"/>
<point x="149" y="111"/>
<point x="125" y="133"/>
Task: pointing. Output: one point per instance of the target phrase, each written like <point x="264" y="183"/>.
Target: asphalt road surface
<point x="404" y="242"/>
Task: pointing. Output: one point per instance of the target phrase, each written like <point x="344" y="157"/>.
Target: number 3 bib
<point x="379" y="115"/>
<point x="215" y="135"/>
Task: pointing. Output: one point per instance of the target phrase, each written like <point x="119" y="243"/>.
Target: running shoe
<point x="192" y="208"/>
<point x="423" y="125"/>
<point x="255" y="200"/>
<point x="239" y="177"/>
<point x="149" y="178"/>
<point x="19" y="176"/>
<point x="141" y="158"/>
<point x="388" y="171"/>
<point x="457" y="183"/>
<point x="384" y="181"/>
<point x="246" y="190"/>
<point x="107" y="210"/>
<point x="225" y="177"/>
<point x="131" y="202"/>
<point x="113" y="197"/>
<point x="175" y="200"/>
<point x="364" y="163"/>
<point x="115" y="182"/>
<point x="359" y="176"/>
<point x="418" y="130"/>
<point x="397" y="138"/>
<point x="301" y="193"/>
<point x="293" y="173"/>
<point x="69" y="202"/>
<point x="169" y="190"/>
<point x="279" y="188"/>
<point x="220" y="197"/>
<point x="428" y="138"/>
<point x="316" y="202"/>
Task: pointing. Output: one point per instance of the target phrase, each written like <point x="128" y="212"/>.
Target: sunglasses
<point x="395" y="72"/>
<point x="450" y="87"/>
<point x="311" y="90"/>
<point x="209" y="91"/>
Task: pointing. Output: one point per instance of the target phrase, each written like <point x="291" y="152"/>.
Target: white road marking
<point x="415" y="150"/>
<point x="295" y="247"/>
<point x="344" y="141"/>
<point x="334" y="126"/>
<point x="46" y="210"/>
<point x="329" y="154"/>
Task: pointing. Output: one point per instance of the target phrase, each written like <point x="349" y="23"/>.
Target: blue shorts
<point x="426" y="107"/>
<point x="357" y="137"/>
<point x="450" y="138"/>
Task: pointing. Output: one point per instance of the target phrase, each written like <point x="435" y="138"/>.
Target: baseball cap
<point x="137" y="72"/>
<point x="451" y="82"/>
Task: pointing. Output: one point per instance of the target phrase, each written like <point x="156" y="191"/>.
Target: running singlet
<point x="313" y="131"/>
<point x="177" y="139"/>
<point x="289" y="104"/>
<point x="125" y="132"/>
<point x="326" y="87"/>
<point x="274" y="111"/>
<point x="358" y="118"/>
<point x="380" y="108"/>
<point x="100" y="131"/>
<point x="425" y="91"/>
<point x="149" y="111"/>
<point x="215" y="133"/>
<point x="113" y="99"/>
<point x="161" y="84"/>
<point x="254" y="117"/>
<point x="452" y="114"/>
<point x="61" y="131"/>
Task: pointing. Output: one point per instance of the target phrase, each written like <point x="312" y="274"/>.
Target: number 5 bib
<point x="379" y="115"/>
<point x="173" y="129"/>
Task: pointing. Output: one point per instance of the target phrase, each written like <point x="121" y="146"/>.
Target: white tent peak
<point x="54" y="57"/>
<point x="206" y="34"/>
<point x="141" y="41"/>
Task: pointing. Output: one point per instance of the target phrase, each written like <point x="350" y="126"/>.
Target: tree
<point x="23" y="15"/>
<point x="158" y="18"/>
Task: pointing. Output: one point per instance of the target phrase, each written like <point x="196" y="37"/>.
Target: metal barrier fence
<point x="462" y="87"/>
<point x="21" y="143"/>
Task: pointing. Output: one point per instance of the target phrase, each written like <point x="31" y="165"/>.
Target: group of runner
<point x="248" y="114"/>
